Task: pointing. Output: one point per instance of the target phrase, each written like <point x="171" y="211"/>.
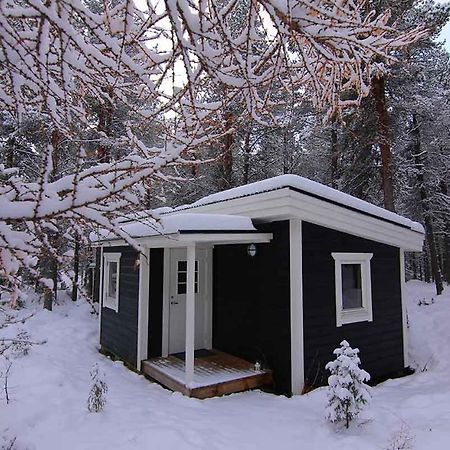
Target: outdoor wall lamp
<point x="251" y="250"/>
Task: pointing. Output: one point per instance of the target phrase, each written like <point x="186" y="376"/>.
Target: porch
<point x="215" y="373"/>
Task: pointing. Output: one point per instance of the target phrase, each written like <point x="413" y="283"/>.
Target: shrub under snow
<point x="97" y="394"/>
<point x="347" y="392"/>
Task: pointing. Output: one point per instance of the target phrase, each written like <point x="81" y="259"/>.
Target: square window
<point x="111" y="271"/>
<point x="353" y="287"/>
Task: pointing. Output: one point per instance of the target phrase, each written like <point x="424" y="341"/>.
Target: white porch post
<point x="190" y="315"/>
<point x="296" y="284"/>
<point x="144" y="279"/>
<point x="404" y="308"/>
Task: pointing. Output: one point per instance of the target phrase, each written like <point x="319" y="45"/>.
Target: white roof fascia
<point x="286" y="203"/>
<point x="182" y="239"/>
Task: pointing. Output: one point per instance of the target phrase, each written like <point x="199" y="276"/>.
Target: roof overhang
<point x="286" y="203"/>
<point x="184" y="239"/>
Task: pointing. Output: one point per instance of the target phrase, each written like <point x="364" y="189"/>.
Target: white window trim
<point x="111" y="302"/>
<point x="363" y="314"/>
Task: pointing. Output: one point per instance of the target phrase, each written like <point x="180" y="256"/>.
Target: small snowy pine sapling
<point x="97" y="394"/>
<point x="347" y="392"/>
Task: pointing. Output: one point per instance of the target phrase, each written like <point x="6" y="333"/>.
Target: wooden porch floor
<point x="215" y="373"/>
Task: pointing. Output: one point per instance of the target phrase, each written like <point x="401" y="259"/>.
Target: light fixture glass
<point x="251" y="250"/>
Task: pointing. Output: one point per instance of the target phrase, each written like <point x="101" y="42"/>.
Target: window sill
<point x="354" y="316"/>
<point x="111" y="303"/>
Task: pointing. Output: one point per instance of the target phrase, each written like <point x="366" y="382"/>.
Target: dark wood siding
<point x="119" y="330"/>
<point x="251" y="303"/>
<point x="381" y="341"/>
<point x="155" y="302"/>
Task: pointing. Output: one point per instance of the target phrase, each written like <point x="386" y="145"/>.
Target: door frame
<point x="207" y="332"/>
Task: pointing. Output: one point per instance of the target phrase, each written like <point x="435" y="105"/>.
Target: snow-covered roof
<point x="182" y="223"/>
<point x="311" y="188"/>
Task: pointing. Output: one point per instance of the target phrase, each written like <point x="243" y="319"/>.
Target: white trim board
<point x="364" y="313"/>
<point x="143" y="307"/>
<point x="296" y="306"/>
<point x="100" y="297"/>
<point x="111" y="302"/>
<point x="404" y="309"/>
<point x="180" y="240"/>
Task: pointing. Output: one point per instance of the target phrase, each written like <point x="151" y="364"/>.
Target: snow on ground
<point x="49" y="389"/>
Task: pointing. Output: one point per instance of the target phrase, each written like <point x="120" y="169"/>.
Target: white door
<point x="177" y="297"/>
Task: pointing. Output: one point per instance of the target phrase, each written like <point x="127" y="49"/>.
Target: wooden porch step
<point x="215" y="374"/>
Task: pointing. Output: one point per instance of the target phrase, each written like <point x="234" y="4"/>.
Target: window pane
<point x="351" y="286"/>
<point x="112" y="279"/>
<point x="181" y="288"/>
<point x="182" y="277"/>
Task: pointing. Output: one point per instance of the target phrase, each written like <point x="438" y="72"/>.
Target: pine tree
<point x="347" y="392"/>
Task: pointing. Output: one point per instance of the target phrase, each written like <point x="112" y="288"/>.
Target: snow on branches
<point x="347" y="392"/>
<point x="179" y="65"/>
<point x="55" y="54"/>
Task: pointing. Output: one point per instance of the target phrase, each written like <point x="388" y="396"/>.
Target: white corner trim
<point x="296" y="304"/>
<point x="100" y="297"/>
<point x="365" y="313"/>
<point x="111" y="302"/>
<point x="190" y="317"/>
<point x="166" y="304"/>
<point x="404" y="309"/>
<point x="207" y="296"/>
<point x="144" y="279"/>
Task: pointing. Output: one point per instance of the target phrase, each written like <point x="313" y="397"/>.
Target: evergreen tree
<point x="347" y="392"/>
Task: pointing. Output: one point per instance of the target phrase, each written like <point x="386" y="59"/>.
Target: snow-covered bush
<point x="347" y="393"/>
<point x="401" y="440"/>
<point x="97" y="394"/>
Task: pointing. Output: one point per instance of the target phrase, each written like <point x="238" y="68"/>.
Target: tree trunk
<point x="76" y="269"/>
<point x="48" y="299"/>
<point x="227" y="156"/>
<point x="50" y="263"/>
<point x="105" y="120"/>
<point x="46" y="271"/>
<point x="414" y="266"/>
<point x="334" y="155"/>
<point x="379" y="95"/>
<point x="10" y="153"/>
<point x="287" y="155"/>
<point x="446" y="244"/>
<point x="247" y="150"/>
<point x="419" y="164"/>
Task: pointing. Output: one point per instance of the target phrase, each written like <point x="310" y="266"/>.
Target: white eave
<point x="227" y="216"/>
<point x="289" y="196"/>
<point x="177" y="230"/>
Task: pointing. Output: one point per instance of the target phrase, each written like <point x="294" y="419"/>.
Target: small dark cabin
<point x="256" y="286"/>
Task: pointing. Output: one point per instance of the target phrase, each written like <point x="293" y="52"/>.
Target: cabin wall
<point x="381" y="341"/>
<point x="118" y="333"/>
<point x="251" y="303"/>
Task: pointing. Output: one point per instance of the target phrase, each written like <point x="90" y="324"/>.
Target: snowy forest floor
<point x="49" y="388"/>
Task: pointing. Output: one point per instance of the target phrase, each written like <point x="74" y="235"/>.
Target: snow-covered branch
<point x="180" y="65"/>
